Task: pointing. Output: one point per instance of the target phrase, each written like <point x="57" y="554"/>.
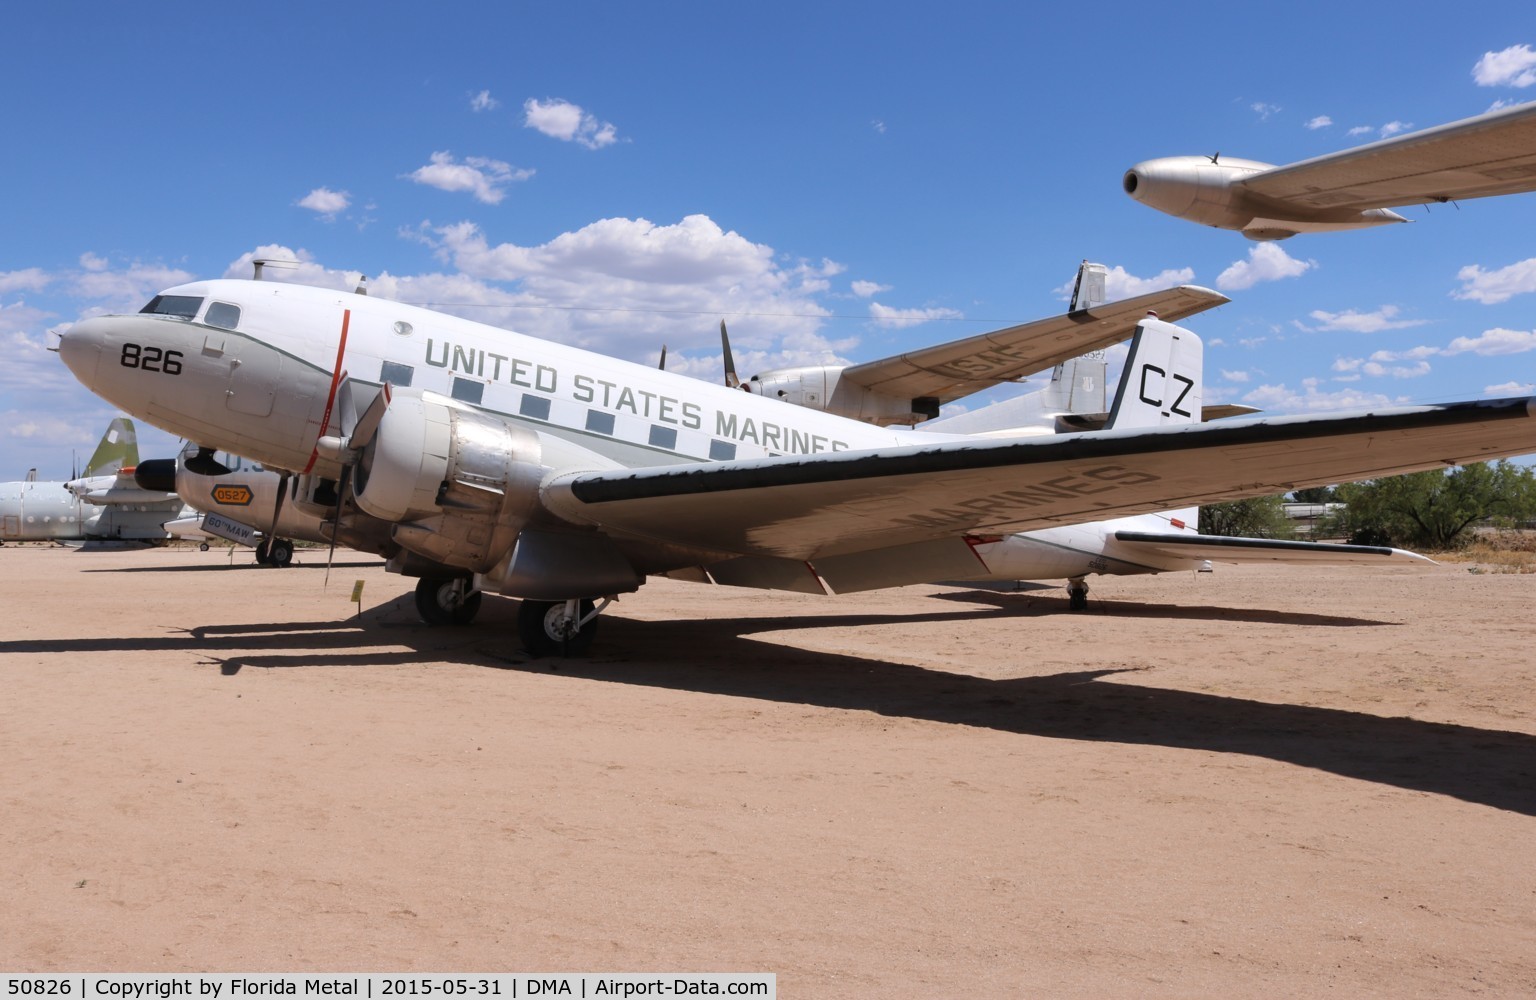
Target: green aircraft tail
<point x="119" y="447"/>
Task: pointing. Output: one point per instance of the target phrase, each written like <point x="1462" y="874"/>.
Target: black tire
<point x="202" y="547"/>
<point x="438" y="603"/>
<point x="1077" y="599"/>
<point x="280" y="554"/>
<point x="537" y="626"/>
<point x="262" y="557"/>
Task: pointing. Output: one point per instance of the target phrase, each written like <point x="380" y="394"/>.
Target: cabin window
<point x="536" y="407"/>
<point x="721" y="451"/>
<point x="396" y="374"/>
<point x="599" y="422"/>
<point x="223" y="315"/>
<point x="468" y="390"/>
<point x="664" y="437"/>
<point x="180" y="306"/>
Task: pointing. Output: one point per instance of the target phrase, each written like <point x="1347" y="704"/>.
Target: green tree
<point x="1436" y="509"/>
<point x="1256" y="517"/>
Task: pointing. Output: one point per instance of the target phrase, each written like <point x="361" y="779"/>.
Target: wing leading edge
<point x="804" y="507"/>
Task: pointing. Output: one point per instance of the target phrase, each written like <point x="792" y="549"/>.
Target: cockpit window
<point x="223" y="315"/>
<point x="181" y="306"/>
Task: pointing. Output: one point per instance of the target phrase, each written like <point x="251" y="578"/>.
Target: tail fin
<point x="119" y="447"/>
<point x="1162" y="384"/>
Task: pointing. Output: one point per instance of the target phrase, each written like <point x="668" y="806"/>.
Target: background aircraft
<point x="1491" y="154"/>
<point x="491" y="460"/>
<point x="104" y="504"/>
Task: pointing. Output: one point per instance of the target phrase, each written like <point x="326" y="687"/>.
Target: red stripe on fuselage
<point x="336" y="376"/>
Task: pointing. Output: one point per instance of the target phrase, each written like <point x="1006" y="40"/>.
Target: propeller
<point x="731" y="381"/>
<point x="663" y="364"/>
<point x="356" y="431"/>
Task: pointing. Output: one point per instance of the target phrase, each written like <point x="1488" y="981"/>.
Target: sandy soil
<point x="1266" y="782"/>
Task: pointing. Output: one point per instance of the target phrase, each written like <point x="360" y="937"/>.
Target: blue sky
<point x="840" y="181"/>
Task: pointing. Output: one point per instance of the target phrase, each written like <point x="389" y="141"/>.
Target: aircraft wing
<point x="1251" y="550"/>
<point x="961" y="367"/>
<point x="1473" y="158"/>
<point x="804" y="507"/>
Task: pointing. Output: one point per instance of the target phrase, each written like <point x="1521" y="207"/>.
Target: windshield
<point x="182" y="306"/>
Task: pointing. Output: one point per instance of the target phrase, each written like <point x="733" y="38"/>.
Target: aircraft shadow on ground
<point x="248" y="563"/>
<point x="1489" y="767"/>
<point x="1023" y="604"/>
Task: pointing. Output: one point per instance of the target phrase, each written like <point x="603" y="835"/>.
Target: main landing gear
<point x="547" y="628"/>
<point x="274" y="552"/>
<point x="558" y="628"/>
<point x="447" y="600"/>
<point x="1077" y="594"/>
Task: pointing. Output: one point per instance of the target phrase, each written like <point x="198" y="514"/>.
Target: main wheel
<point x="280" y="553"/>
<point x="1077" y="597"/>
<point x="202" y="547"/>
<point x="446" y="600"/>
<point x="546" y="630"/>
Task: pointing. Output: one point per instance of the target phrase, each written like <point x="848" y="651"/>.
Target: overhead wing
<point x="803" y="507"/>
<point x="1473" y="158"/>
<point x="961" y="367"/>
<point x="1252" y="550"/>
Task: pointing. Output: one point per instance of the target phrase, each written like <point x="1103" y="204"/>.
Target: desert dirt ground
<point x="1268" y="781"/>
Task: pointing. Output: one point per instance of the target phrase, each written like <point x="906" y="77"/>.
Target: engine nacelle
<point x="1197" y="188"/>
<point x="457" y="484"/>
<point x="821" y="387"/>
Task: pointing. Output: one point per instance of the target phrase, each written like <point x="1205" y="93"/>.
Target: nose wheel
<point x="558" y="628"/>
<point x="447" y="600"/>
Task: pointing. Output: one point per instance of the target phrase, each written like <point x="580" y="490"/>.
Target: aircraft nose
<point x="80" y="347"/>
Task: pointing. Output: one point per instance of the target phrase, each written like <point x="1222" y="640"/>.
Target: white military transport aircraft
<point x="1491" y="154"/>
<point x="105" y="504"/>
<point x="477" y="458"/>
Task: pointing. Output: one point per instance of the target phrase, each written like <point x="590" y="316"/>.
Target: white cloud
<point x="567" y="122"/>
<point x="1493" y="287"/>
<point x="1376" y="370"/>
<point x="1509" y="388"/>
<point x="1394" y="127"/>
<point x="1283" y="399"/>
<point x="1266" y="262"/>
<point x="1412" y="354"/>
<point x="878" y="126"/>
<point x="1121" y="284"/>
<point x="93" y="262"/>
<point x="1321" y="121"/>
<point x="1362" y="130"/>
<point x="484" y="178"/>
<point x="325" y="202"/>
<point x="865" y="289"/>
<point x="1358" y="322"/>
<point x="1347" y="364"/>
<point x="1264" y="110"/>
<point x="1511" y="67"/>
<point x="625" y="286"/>
<point x="1234" y="376"/>
<point x="32" y="279"/>
<point x="483" y="101"/>
<point x="1494" y="342"/>
<point x="897" y="319"/>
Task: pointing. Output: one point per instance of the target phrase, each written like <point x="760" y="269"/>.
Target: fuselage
<point x="251" y="367"/>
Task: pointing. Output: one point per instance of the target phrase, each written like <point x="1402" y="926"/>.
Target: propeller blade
<point x="277" y="510"/>
<point x="348" y="409"/>
<point x="204" y="464"/>
<point x="341" y="498"/>
<point x="368" y="424"/>
<point x="731" y="381"/>
<point x="663" y="365"/>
